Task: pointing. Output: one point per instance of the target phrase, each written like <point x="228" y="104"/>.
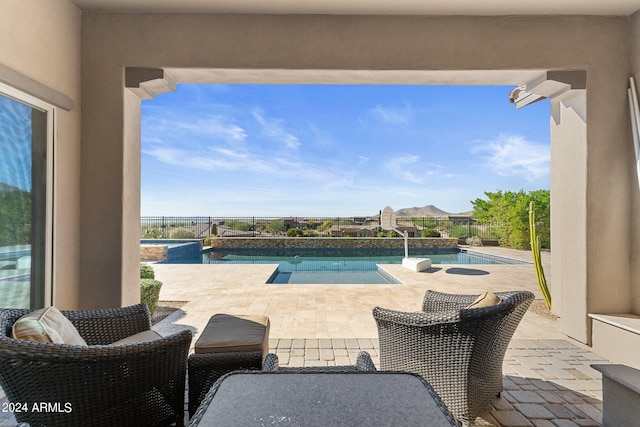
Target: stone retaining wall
<point x="330" y="242"/>
<point x="153" y="252"/>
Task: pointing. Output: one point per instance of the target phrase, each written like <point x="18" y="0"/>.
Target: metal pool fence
<point x="162" y="227"/>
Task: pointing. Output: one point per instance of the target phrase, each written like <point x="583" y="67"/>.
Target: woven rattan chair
<point x="138" y="384"/>
<point x="363" y="363"/>
<point x="458" y="351"/>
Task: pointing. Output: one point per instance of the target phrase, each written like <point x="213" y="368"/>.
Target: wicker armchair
<point x="137" y="384"/>
<point x="458" y="351"/>
<point x="363" y="363"/>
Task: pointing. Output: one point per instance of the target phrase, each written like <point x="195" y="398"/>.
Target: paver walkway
<point x="547" y="378"/>
<point x="546" y="382"/>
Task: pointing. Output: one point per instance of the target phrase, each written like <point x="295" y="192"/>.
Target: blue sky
<point x="315" y="150"/>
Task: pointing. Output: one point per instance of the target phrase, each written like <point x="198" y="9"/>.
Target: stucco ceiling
<point x="372" y="7"/>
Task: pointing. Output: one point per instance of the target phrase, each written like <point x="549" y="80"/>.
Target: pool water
<point x="348" y="266"/>
<point x="332" y="277"/>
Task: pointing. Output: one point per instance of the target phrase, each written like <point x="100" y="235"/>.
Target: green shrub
<point x="295" y="232"/>
<point x="276" y="226"/>
<point x="182" y="233"/>
<point x="152" y="233"/>
<point x="238" y="225"/>
<point x="208" y="240"/>
<point x="146" y="272"/>
<point x="430" y="233"/>
<point x="150" y="293"/>
<point x="388" y="233"/>
<point x="474" y="241"/>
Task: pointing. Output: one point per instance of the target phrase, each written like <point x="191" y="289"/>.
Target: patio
<point x="548" y="380"/>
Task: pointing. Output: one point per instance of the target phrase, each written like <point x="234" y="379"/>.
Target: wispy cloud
<point x="513" y="155"/>
<point x="263" y="163"/>
<point x="410" y="167"/>
<point x="212" y="127"/>
<point x="274" y="128"/>
<point x="392" y="115"/>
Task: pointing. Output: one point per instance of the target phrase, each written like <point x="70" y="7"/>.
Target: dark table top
<point x="308" y="399"/>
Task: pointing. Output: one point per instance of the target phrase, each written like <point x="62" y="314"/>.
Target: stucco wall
<point x="569" y="256"/>
<point x="635" y="193"/>
<point x="51" y="57"/>
<point x="600" y="45"/>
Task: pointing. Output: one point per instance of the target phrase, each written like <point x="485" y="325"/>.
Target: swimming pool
<point x="335" y="265"/>
<point x="169" y="249"/>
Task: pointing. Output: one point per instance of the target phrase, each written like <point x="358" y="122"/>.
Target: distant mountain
<point x="428" y="210"/>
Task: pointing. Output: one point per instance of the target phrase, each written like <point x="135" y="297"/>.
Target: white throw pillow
<point x="47" y="325"/>
<point x="485" y="300"/>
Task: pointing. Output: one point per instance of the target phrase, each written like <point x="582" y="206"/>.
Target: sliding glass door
<point x="26" y="133"/>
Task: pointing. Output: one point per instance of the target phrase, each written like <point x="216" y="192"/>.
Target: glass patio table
<point x="316" y="398"/>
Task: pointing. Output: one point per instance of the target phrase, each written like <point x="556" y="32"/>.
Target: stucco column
<point x="569" y="213"/>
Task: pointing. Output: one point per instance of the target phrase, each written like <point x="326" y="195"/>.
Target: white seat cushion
<point x="47" y="325"/>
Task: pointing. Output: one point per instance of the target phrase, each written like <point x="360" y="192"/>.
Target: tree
<point x="508" y="212"/>
<point x="276" y="226"/>
<point x="15" y="218"/>
<point x="325" y="226"/>
<point x="238" y="225"/>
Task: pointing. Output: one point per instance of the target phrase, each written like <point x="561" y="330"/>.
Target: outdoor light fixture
<point x="551" y="84"/>
<point x="521" y="98"/>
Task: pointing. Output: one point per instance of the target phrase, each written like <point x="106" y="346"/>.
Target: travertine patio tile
<point x="296" y="361"/>
<point x="501" y="405"/>
<point x="326" y="354"/>
<point x="524" y="397"/>
<point x="571" y="396"/>
<point x="312" y="354"/>
<point x="325" y="343"/>
<point x="311" y="344"/>
<point x="352" y="344"/>
<point x="532" y="410"/>
<point x="579" y="374"/>
<point x="562" y="374"/>
<point x="544" y="385"/>
<point x="284" y="343"/>
<point x="298" y="343"/>
<point x="342" y="352"/>
<point x="587" y="411"/>
<point x="284" y="358"/>
<point x="565" y="423"/>
<point x="551" y="397"/>
<point x="587" y="423"/>
<point x="525" y="372"/>
<point x="339" y="344"/>
<point x="542" y="423"/>
<point x="365" y="344"/>
<point x="511" y="419"/>
<point x="560" y="410"/>
<point x="509" y="384"/>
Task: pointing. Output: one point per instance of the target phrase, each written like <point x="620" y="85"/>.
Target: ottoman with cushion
<point x="228" y="343"/>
